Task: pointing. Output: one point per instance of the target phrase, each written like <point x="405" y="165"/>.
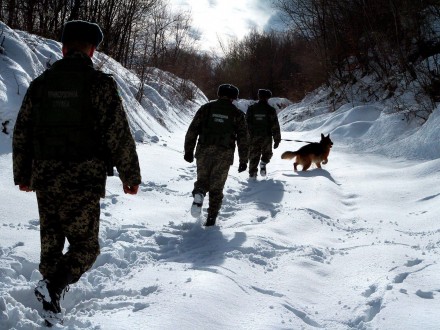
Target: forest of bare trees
<point x="335" y="42"/>
<point x="280" y="61"/>
<point x="139" y="34"/>
<point x="117" y="18"/>
<point x="325" y="41"/>
<point x="375" y="37"/>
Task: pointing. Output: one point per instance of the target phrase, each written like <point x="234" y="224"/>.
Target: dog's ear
<point x="322" y="136"/>
<point x="328" y="135"/>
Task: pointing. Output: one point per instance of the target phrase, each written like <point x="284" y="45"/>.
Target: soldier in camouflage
<point x="70" y="130"/>
<point x="218" y="125"/>
<point x="263" y="126"/>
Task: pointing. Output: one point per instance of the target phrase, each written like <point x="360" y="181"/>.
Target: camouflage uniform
<point x="68" y="192"/>
<point x="75" y="217"/>
<point x="214" y="161"/>
<point x="261" y="136"/>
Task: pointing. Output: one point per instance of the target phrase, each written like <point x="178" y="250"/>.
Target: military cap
<point x="228" y="90"/>
<point x="82" y="31"/>
<point x="264" y="94"/>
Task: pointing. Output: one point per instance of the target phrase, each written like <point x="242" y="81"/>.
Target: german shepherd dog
<point x="311" y="153"/>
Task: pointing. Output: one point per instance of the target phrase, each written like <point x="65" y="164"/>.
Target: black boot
<point x="263" y="168"/>
<point x="55" y="296"/>
<point x="49" y="294"/>
<point x="210" y="220"/>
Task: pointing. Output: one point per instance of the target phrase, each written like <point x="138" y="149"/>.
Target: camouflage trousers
<point x="260" y="148"/>
<point x="212" y="173"/>
<point x="74" y="217"/>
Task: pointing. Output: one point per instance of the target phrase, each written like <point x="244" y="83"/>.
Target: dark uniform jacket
<point x="85" y="175"/>
<point x="268" y="115"/>
<point x="239" y="133"/>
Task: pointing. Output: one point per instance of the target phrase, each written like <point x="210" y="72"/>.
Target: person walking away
<point x="263" y="126"/>
<point x="219" y="125"/>
<point x="70" y="130"/>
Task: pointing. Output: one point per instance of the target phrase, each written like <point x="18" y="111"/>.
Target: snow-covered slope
<point x="162" y="109"/>
<point x="369" y="127"/>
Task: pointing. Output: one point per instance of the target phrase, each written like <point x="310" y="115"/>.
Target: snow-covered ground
<point x="354" y="245"/>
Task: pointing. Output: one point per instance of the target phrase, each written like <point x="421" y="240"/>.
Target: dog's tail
<point x="288" y="155"/>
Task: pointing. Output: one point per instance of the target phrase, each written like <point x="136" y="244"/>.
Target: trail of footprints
<point x="126" y="247"/>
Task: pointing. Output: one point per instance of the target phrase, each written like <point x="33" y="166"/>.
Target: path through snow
<point x="348" y="246"/>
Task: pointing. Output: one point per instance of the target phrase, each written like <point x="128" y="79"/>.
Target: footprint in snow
<point x="372" y="289"/>
<point x="303" y="316"/>
<point x="373" y="308"/>
<point x="267" y="292"/>
<point x="412" y="263"/>
<point x="400" y="278"/>
<point x="34" y="222"/>
<point x="425" y="294"/>
<point x="160" y="188"/>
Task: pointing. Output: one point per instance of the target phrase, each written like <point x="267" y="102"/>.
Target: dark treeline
<point x="336" y="41"/>
<point x="145" y="34"/>
<point x="282" y="62"/>
<point x="117" y="18"/>
<point x="372" y="36"/>
<point x="139" y="34"/>
<point x="327" y="41"/>
<point x="376" y="34"/>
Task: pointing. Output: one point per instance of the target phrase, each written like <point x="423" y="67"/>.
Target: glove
<point x="189" y="157"/>
<point x="132" y="190"/>
<point x="242" y="167"/>
<point x="276" y="144"/>
<point x="24" y="187"/>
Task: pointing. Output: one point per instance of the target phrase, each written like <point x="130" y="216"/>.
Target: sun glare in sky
<point x="224" y="20"/>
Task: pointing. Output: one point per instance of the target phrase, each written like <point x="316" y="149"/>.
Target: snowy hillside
<point x="162" y="109"/>
<point x="373" y="127"/>
<point x="354" y="245"/>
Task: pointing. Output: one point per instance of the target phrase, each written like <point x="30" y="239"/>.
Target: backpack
<point x="218" y="127"/>
<point x="64" y="121"/>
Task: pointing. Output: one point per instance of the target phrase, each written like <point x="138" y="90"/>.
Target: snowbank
<point x="26" y="56"/>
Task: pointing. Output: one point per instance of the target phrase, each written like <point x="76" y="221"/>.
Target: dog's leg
<point x="294" y="166"/>
<point x="306" y="166"/>
<point x="318" y="164"/>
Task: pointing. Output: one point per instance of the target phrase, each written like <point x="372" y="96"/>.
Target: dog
<point x="315" y="152"/>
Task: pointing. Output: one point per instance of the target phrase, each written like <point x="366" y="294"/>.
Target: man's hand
<point x="132" y="190"/>
<point x="242" y="167"/>
<point x="276" y="144"/>
<point x="24" y="187"/>
<point x="189" y="157"/>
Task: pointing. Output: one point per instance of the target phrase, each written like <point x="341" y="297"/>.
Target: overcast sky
<point x="226" y="19"/>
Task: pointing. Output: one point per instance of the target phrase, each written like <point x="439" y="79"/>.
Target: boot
<point x="210" y="220"/>
<point x="262" y="168"/>
<point x="253" y="175"/>
<point x="49" y="292"/>
<point x="196" y="207"/>
<point x="49" y="295"/>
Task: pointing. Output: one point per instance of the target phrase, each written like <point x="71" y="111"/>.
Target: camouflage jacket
<point x="239" y="131"/>
<point x="89" y="175"/>
<point x="272" y="124"/>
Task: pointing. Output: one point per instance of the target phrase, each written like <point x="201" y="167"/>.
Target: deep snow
<point x="354" y="245"/>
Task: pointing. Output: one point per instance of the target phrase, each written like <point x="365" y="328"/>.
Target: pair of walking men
<point x="219" y="125"/>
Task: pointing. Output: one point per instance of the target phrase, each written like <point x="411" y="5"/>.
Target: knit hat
<point x="82" y="31"/>
<point x="264" y="94"/>
<point x="228" y="90"/>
